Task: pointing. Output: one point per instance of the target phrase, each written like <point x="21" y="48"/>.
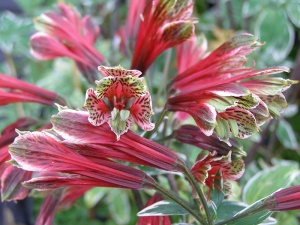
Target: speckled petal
<point x="118" y="71"/>
<point x="141" y="111"/>
<point x="98" y="111"/>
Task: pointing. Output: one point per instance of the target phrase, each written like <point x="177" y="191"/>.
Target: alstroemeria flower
<point x="65" y="33"/>
<point x="208" y="164"/>
<point x="154" y="220"/>
<point x="226" y="97"/>
<point x="128" y="33"/>
<point x="187" y="55"/>
<point x="11" y="177"/>
<point x="119" y="98"/>
<point x="99" y="142"/>
<point x="15" y="90"/>
<point x="45" y="152"/>
<point x="283" y="200"/>
<point x="164" y="24"/>
<point x="192" y="135"/>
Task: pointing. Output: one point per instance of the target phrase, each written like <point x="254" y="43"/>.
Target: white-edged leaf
<point x="273" y="27"/>
<point x="161" y="208"/>
<point x="293" y="11"/>
<point x="93" y="196"/>
<point x="268" y="181"/>
<point x="286" y="135"/>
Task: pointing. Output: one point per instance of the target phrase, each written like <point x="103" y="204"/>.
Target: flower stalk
<point x="180" y="202"/>
<point x="198" y="190"/>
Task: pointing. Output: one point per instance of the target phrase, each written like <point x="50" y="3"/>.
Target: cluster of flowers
<point x="83" y="148"/>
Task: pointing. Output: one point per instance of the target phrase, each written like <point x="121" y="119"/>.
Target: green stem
<point x="203" y="201"/>
<point x="158" y="122"/>
<point x="165" y="73"/>
<point x="180" y="202"/>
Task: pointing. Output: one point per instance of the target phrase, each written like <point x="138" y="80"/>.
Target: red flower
<point x="283" y="199"/>
<point x="11" y="177"/>
<point x="192" y="135"/>
<point x="154" y="220"/>
<point x="208" y="164"/>
<point x="44" y="152"/>
<point x="119" y="98"/>
<point x="15" y="90"/>
<point x="218" y="93"/>
<point x="164" y="24"/>
<point x="128" y="33"/>
<point x="65" y="33"/>
<point x="100" y="142"/>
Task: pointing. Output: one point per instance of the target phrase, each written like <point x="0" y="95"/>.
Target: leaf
<point x="286" y="135"/>
<point x="268" y="181"/>
<point x="163" y="208"/>
<point x="217" y="195"/>
<point x="293" y="11"/>
<point x="120" y="207"/>
<point x="14" y="33"/>
<point x="252" y="7"/>
<point x="93" y="196"/>
<point x="273" y="27"/>
<point x="229" y="208"/>
<point x="254" y="219"/>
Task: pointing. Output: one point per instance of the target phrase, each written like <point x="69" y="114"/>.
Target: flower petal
<point x="118" y="126"/>
<point x="141" y="111"/>
<point x="241" y="122"/>
<point x="205" y="117"/>
<point x="118" y="71"/>
<point x="234" y="170"/>
<point x="275" y="103"/>
<point x="121" y="87"/>
<point x="98" y="111"/>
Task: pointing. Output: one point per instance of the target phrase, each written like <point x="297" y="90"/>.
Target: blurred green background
<point x="273" y="154"/>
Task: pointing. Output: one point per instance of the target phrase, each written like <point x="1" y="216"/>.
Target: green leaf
<point x="286" y="135"/>
<point x="252" y="7"/>
<point x="229" y="208"/>
<point x="119" y="207"/>
<point x="14" y="33"/>
<point x="293" y="11"/>
<point x="273" y="27"/>
<point x="257" y="218"/>
<point x="268" y="181"/>
<point x="93" y="196"/>
<point x="217" y="195"/>
<point x="161" y="208"/>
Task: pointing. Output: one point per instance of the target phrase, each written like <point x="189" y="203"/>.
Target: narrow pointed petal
<point x="49" y="207"/>
<point x="90" y="30"/>
<point x="11" y="187"/>
<point x="192" y="135"/>
<point x="141" y="111"/>
<point x="42" y="151"/>
<point x="45" y="47"/>
<point x="98" y="111"/>
<point x="53" y="182"/>
<point x="177" y="32"/>
<point x="268" y="86"/>
<point x="234" y="170"/>
<point x="73" y="126"/>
